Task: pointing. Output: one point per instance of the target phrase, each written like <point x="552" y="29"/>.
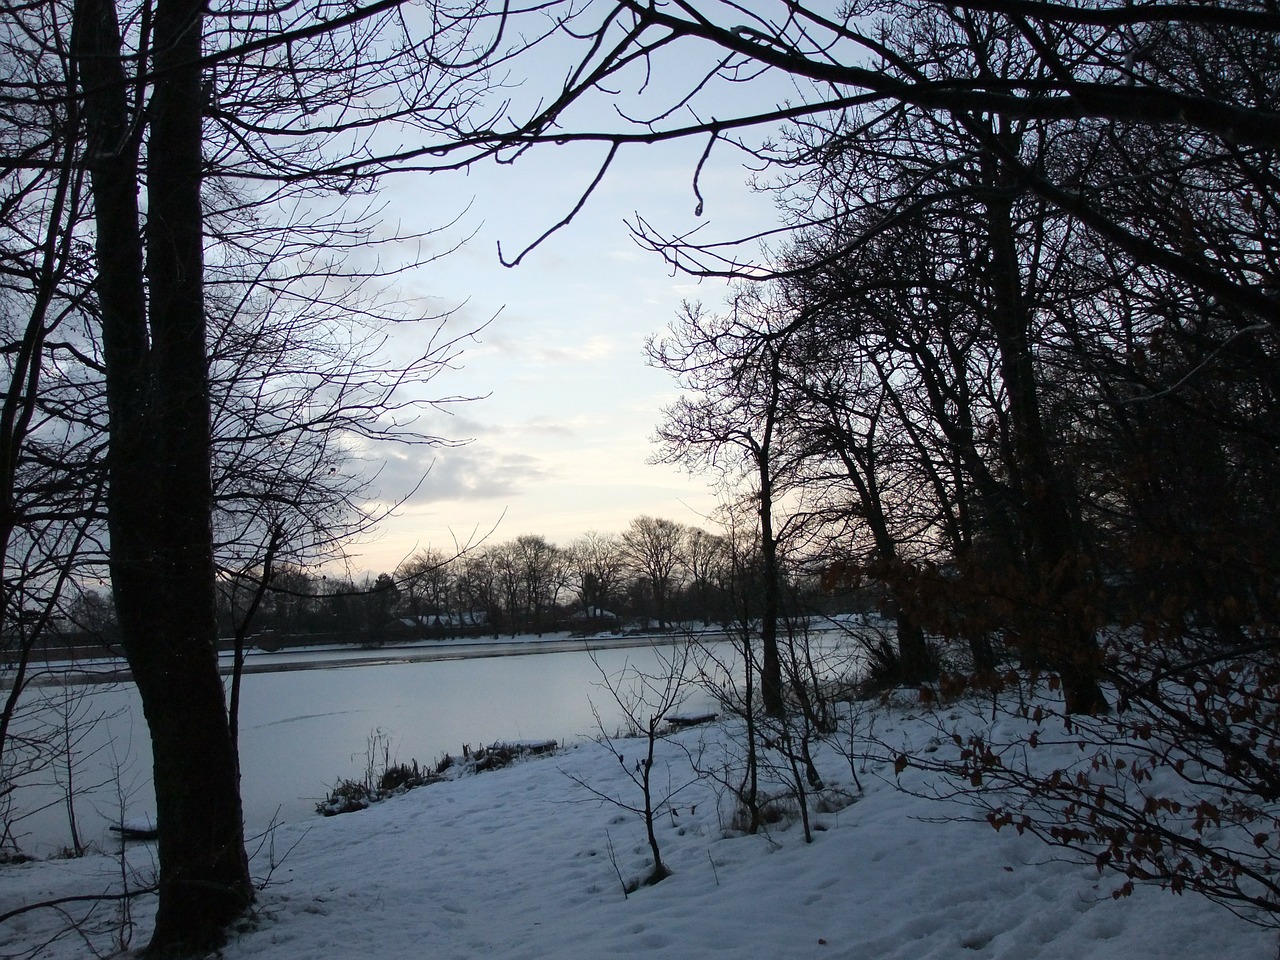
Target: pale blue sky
<point x="561" y="442"/>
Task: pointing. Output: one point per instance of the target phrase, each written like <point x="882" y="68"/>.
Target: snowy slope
<point x="518" y="864"/>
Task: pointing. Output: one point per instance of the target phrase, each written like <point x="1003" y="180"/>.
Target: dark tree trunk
<point x="915" y="663"/>
<point x="770" y="662"/>
<point x="1060" y="633"/>
<point x="771" y="691"/>
<point x="160" y="500"/>
<point x="982" y="654"/>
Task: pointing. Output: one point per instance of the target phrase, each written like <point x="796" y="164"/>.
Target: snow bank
<point x="525" y="863"/>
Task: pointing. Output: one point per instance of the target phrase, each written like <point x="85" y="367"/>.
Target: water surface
<point x="303" y="729"/>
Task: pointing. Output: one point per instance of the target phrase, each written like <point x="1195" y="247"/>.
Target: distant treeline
<point x="655" y="573"/>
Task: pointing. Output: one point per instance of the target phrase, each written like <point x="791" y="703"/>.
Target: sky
<point x="559" y="443"/>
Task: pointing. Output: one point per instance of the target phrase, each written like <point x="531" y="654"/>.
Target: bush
<point x="389" y="779"/>
<point x="347" y="796"/>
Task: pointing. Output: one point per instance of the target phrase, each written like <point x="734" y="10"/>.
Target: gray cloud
<point x="544" y="350"/>
<point x="472" y="472"/>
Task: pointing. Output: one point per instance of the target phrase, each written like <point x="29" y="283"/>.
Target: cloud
<point x="595" y="349"/>
<point x="453" y="424"/>
<point x="537" y="351"/>
<point x="546" y="427"/>
<point x="472" y="472"/>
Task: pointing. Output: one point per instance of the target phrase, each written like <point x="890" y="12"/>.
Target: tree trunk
<point x="160" y="498"/>
<point x="1062" y="634"/>
<point x="771" y="691"/>
<point x="915" y="663"/>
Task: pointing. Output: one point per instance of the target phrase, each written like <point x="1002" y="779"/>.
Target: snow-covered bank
<point x="525" y="863"/>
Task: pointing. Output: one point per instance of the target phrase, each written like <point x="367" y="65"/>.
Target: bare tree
<point x="425" y="582"/>
<point x="598" y="564"/>
<point x="653" y="548"/>
<point x="730" y="420"/>
<point x="646" y="701"/>
<point x="1137" y="144"/>
<point x="1084" y="64"/>
<point x="705" y="554"/>
<point x="149" y="99"/>
<point x="859" y="482"/>
<point x="477" y="588"/>
<point x="543" y="571"/>
<point x="50" y="467"/>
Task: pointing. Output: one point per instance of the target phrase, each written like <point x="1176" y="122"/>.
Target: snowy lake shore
<point x="531" y="861"/>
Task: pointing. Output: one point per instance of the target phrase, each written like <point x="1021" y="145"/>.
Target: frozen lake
<point x="306" y="720"/>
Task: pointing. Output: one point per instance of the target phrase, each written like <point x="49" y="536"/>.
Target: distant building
<point x="593" y="620"/>
<point x="438" y="625"/>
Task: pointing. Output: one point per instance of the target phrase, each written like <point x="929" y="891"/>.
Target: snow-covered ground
<point x="526" y="863"/>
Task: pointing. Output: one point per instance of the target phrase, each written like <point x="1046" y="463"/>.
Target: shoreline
<point x="329" y="657"/>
